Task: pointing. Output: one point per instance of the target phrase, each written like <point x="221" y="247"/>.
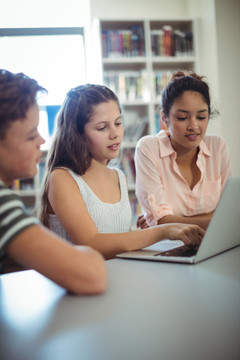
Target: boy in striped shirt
<point x="22" y="238"/>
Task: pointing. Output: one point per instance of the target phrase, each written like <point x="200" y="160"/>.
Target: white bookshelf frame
<point x="149" y="62"/>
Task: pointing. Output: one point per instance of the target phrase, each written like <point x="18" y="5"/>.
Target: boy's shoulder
<point x="15" y="217"/>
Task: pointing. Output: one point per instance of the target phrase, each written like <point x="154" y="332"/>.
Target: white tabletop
<point x="149" y="311"/>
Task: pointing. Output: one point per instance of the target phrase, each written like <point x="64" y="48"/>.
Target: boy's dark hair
<point x="17" y="93"/>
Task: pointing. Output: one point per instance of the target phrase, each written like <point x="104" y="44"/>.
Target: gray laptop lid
<point x="223" y="232"/>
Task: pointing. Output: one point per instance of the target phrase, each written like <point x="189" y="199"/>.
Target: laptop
<point x="223" y="233"/>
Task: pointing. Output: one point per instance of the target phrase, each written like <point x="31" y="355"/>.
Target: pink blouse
<point x="161" y="189"/>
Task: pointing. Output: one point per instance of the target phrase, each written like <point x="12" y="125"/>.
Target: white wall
<point x="135" y="9"/>
<point x="228" y="43"/>
<point x="204" y="10"/>
<point x="219" y="60"/>
<point x="43" y="13"/>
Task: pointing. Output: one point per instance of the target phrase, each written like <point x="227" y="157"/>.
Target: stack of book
<point x="32" y="183"/>
<point x="136" y="209"/>
<point x="169" y="42"/>
<point x="133" y="131"/>
<point x="127" y="165"/>
<point x="123" y="43"/>
<point x="127" y="85"/>
<point x="23" y="184"/>
<point x="161" y="79"/>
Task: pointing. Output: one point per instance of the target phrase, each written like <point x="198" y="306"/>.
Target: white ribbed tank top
<point x="109" y="218"/>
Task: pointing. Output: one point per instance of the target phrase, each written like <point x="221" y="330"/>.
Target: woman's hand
<point x="189" y="234"/>
<point x="141" y="222"/>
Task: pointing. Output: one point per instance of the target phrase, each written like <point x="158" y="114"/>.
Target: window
<point x="55" y="57"/>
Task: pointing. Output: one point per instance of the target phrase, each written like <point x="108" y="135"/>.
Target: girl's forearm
<point x="109" y="245"/>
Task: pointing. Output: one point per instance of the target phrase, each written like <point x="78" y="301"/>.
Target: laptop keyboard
<point x="184" y="250"/>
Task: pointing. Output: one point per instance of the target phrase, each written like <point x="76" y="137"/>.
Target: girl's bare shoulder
<point x="60" y="174"/>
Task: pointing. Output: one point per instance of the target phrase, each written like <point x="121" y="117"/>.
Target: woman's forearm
<point x="201" y="220"/>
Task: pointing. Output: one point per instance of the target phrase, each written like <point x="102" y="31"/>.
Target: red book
<point x="167" y="40"/>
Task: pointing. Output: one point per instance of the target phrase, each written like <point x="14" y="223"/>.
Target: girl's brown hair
<point x="69" y="147"/>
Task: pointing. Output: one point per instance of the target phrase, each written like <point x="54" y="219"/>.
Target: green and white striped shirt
<point x="14" y="217"/>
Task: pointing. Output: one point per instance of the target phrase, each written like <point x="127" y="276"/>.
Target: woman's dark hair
<point x="181" y="82"/>
<point x="69" y="147"/>
<point x="17" y="93"/>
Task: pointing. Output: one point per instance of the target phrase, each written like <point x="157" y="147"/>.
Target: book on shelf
<point x="157" y="42"/>
<point x="159" y="125"/>
<point x="161" y="79"/>
<point x="15" y="184"/>
<point x="157" y="121"/>
<point x="127" y="165"/>
<point x="171" y="42"/>
<point x="23" y="184"/>
<point x="123" y="42"/>
<point x="167" y="40"/>
<point x="40" y="173"/>
<point x="138" y="48"/>
<point x="133" y="131"/>
<point x="136" y="209"/>
<point x="32" y="183"/>
<point x="189" y="43"/>
<point x="127" y="85"/>
<point x="182" y="43"/>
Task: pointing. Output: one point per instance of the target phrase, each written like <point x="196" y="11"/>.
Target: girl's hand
<point x="189" y="234"/>
<point x="141" y="222"/>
